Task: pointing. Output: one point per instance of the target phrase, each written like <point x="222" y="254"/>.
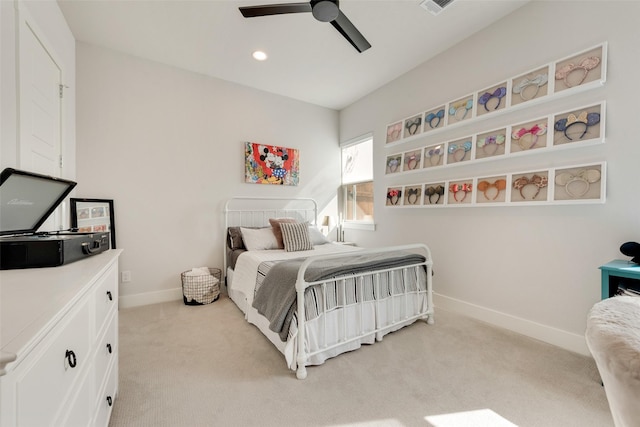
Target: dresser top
<point x="33" y="300"/>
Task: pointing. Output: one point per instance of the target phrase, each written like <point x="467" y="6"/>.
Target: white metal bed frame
<point x="400" y="296"/>
<point x="303" y="209"/>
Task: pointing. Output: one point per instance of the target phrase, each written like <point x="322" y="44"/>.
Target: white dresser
<point x="59" y="343"/>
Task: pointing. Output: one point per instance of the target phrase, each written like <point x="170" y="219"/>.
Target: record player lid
<point x="27" y="199"/>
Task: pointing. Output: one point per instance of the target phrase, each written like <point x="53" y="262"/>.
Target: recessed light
<point x="259" y="55"/>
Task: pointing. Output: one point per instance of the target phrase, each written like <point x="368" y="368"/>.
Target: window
<point x="357" y="183"/>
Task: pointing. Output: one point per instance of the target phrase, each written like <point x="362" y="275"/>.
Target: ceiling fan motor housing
<point x="325" y="10"/>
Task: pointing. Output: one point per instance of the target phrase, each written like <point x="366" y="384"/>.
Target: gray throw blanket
<point x="276" y="298"/>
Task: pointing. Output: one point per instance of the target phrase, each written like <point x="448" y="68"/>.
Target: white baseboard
<point x="126" y="301"/>
<point x="567" y="340"/>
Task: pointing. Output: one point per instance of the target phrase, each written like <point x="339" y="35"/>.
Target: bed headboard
<point x="256" y="211"/>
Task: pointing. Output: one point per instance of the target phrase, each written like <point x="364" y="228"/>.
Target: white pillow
<point x="259" y="239"/>
<point x="316" y="236"/>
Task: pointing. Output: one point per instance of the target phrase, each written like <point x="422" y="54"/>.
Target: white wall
<point x="168" y="146"/>
<point x="50" y="25"/>
<point x="531" y="269"/>
<point x="8" y="100"/>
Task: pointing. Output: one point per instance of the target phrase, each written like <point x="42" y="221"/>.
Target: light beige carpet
<point x="205" y="366"/>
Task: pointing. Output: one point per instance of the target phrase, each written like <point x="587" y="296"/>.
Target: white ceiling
<point x="308" y="60"/>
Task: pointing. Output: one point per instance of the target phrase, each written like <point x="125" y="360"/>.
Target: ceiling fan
<point x="322" y="10"/>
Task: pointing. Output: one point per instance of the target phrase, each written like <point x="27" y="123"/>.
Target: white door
<point x="40" y="109"/>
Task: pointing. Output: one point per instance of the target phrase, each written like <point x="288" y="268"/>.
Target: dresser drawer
<point x="48" y="376"/>
<point x="106" y="352"/>
<point x="106" y="398"/>
<point x="106" y="297"/>
<point x="81" y="405"/>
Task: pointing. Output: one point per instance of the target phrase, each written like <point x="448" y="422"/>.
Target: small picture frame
<point x="492" y="99"/>
<point x="93" y="216"/>
<point x="412" y="195"/>
<point x="581" y="69"/>
<point x="529" y="136"/>
<point x="393" y="164"/>
<point x="460" y="192"/>
<point x="412" y="160"/>
<point x="394" y="196"/>
<point x="460" y="110"/>
<point x="530" y="86"/>
<point x="583" y="124"/>
<point x="492" y="189"/>
<point x="491" y="144"/>
<point x="435" y="119"/>
<point x="459" y="151"/>
<point x="412" y="126"/>
<point x="394" y="132"/>
<point x="434" y="194"/>
<point x="433" y="156"/>
<point x="530" y="187"/>
<point x="579" y="183"/>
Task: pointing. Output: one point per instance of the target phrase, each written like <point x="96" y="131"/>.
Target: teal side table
<point x="616" y="271"/>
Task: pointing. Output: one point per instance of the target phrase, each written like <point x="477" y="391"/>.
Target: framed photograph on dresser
<point x="93" y="216"/>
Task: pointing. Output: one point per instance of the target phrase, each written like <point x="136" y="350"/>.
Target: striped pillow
<point x="295" y="236"/>
<point x="275" y="223"/>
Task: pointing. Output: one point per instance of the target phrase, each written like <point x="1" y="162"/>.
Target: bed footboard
<point x="378" y="302"/>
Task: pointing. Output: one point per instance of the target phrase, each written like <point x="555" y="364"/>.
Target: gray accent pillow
<point x="234" y="240"/>
<point x="295" y="236"/>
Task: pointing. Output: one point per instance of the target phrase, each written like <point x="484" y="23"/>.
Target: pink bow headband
<point x="535" y="131"/>
<point x="586" y="65"/>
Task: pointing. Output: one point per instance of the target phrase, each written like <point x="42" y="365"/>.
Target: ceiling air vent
<point x="435" y="6"/>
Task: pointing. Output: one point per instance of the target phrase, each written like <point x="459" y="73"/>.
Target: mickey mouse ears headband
<point x="631" y="249"/>
<point x="584" y="118"/>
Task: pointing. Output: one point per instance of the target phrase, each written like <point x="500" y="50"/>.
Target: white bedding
<point x="244" y="276"/>
<point x="241" y="283"/>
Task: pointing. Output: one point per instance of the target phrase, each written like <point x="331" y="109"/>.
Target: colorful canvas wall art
<point x="269" y="164"/>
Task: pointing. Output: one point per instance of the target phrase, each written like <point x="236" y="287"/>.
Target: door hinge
<point x="61" y="162"/>
<point x="61" y="88"/>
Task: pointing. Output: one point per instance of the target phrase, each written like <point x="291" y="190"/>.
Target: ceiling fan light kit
<point x="322" y="10"/>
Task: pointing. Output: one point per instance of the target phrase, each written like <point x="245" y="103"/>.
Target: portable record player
<point x="27" y="199"/>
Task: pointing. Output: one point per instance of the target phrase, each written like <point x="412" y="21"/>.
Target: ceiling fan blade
<point x="274" y="9"/>
<point x="350" y="32"/>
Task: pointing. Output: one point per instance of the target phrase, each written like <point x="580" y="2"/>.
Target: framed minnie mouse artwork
<point x="270" y="164"/>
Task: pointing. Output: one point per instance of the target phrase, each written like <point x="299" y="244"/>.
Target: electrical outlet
<point x="125" y="276"/>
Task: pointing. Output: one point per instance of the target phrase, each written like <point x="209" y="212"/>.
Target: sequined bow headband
<point x="535" y="131"/>
<point x="587" y="119"/>
<point x="537" y="82"/>
<point x="586" y="65"/>
<point x="460" y="188"/>
<point x="499" y="93"/>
